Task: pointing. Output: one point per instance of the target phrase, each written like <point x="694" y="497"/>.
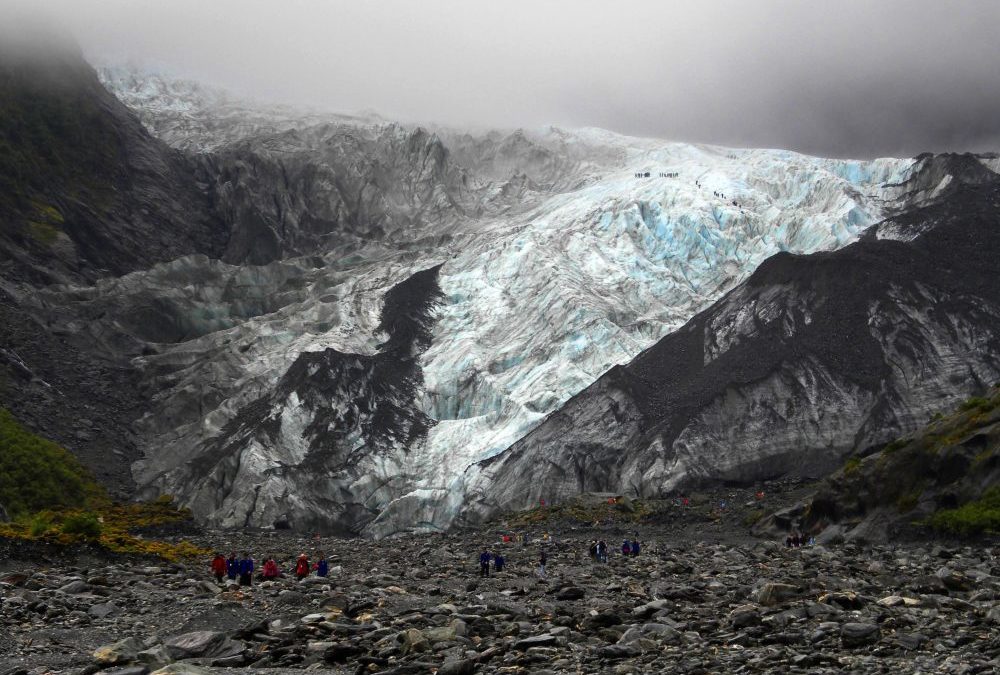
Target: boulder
<point x="771" y="594"/>
<point x="202" y="644"/>
<point x="118" y="653"/>
<point x="858" y="634"/>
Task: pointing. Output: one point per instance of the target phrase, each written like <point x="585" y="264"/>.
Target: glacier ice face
<point x="556" y="263"/>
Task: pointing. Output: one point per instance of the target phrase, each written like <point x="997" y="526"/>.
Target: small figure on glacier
<point x="635" y="548"/>
<point x="498" y="562"/>
<point x="542" y="561"/>
<point x="626" y="548"/>
<point x="484" y="563"/>
<point x="602" y="551"/>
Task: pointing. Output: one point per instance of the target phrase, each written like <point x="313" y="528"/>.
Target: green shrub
<point x="84" y="525"/>
<point x="39" y="524"/>
<point x="976" y="403"/>
<point x="976" y="517"/>
<point x="37" y="474"/>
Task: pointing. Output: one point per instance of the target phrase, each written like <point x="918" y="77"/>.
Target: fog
<point x="866" y="79"/>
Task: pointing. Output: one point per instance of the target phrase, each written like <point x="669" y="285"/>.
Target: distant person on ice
<point x="322" y="567"/>
<point x="246" y="570"/>
<point x="542" y="560"/>
<point x="232" y="567"/>
<point x="498" y="562"/>
<point x="484" y="563"/>
<point x="626" y="548"/>
<point x="219" y="567"/>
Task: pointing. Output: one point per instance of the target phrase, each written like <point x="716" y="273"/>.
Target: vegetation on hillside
<point x="52" y="497"/>
<point x="944" y="476"/>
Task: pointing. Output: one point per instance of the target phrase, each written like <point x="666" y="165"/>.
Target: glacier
<point x="554" y="261"/>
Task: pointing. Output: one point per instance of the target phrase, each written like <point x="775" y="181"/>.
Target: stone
<point x="154" y="657"/>
<point x="571" y="593"/>
<point x="745" y="616"/>
<point x="75" y="587"/>
<point x="535" y="641"/>
<point x="123" y="651"/>
<point x="413" y="640"/>
<point x="201" y="644"/>
<point x="771" y="594"/>
<point x="457" y="667"/>
<point x="857" y="634"/>
<point x="182" y="669"/>
<point x="103" y="610"/>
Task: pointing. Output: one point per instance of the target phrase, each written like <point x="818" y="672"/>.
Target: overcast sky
<point x="871" y="77"/>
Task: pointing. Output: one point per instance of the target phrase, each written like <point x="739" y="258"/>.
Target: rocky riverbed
<point x="417" y="605"/>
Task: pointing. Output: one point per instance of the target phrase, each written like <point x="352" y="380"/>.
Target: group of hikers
<point x="797" y="539"/>
<point x="240" y="569"/>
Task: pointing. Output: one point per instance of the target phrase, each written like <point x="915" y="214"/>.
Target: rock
<point x="127" y="670"/>
<point x="535" y="641"/>
<point x="103" y="610"/>
<point x="413" y="640"/>
<point x="744" y="616"/>
<point x="154" y="657"/>
<point x="123" y="651"/>
<point x="911" y="641"/>
<point x="460" y="667"/>
<point x="75" y="587"/>
<point x="571" y="593"/>
<point x="857" y="634"/>
<point x="201" y="644"/>
<point x="771" y="594"/>
<point x="182" y="669"/>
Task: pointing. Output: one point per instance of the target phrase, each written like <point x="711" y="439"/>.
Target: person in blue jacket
<point x="246" y="570"/>
<point x="498" y="562"/>
<point x="232" y="567"/>
<point x="484" y="563"/>
<point x="321" y="566"/>
<point x="635" y="548"/>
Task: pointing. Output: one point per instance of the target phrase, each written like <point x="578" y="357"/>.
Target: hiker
<point x="542" y="560"/>
<point x="498" y="562"/>
<point x="788" y="540"/>
<point x="219" y="567"/>
<point x="626" y="548"/>
<point x="271" y="571"/>
<point x="593" y="550"/>
<point x="302" y="567"/>
<point x="322" y="567"/>
<point x="232" y="567"/>
<point x="635" y="548"/>
<point x="246" y="570"/>
<point x="602" y="551"/>
<point x="484" y="563"/>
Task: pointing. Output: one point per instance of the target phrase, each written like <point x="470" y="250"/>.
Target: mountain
<point x="813" y="357"/>
<point x="375" y="307"/>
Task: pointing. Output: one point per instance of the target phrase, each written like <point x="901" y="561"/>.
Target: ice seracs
<point x="555" y="263"/>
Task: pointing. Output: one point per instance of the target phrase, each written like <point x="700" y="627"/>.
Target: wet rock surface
<point x="417" y="604"/>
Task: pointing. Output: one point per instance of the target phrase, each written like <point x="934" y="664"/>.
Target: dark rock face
<point x="812" y="357"/>
<point x="329" y="417"/>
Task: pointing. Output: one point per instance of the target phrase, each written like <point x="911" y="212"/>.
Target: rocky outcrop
<point x="306" y="452"/>
<point x="810" y="359"/>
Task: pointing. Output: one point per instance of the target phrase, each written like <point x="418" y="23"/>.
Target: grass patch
<point x="852" y="465"/>
<point x="45" y="234"/>
<point x="52" y="497"/>
<point x="976" y="517"/>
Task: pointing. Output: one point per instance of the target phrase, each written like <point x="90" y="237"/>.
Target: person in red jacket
<point x="302" y="567"/>
<point x="271" y="570"/>
<point x="219" y="567"/>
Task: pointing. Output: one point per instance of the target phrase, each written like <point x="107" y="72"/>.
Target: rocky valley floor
<point x="686" y="604"/>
